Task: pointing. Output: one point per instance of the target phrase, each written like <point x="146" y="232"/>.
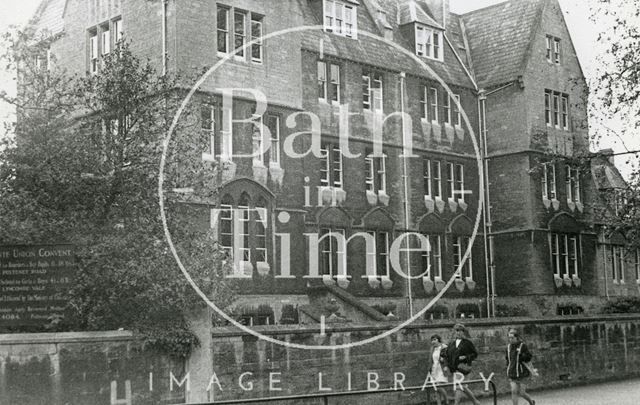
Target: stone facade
<point x="518" y="140"/>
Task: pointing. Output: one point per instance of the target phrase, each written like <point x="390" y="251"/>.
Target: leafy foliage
<point x="83" y="169"/>
<point x="617" y="95"/>
<point x="623" y="305"/>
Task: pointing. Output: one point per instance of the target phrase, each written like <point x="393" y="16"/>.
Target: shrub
<point x="624" y="305"/>
<point x="503" y="310"/>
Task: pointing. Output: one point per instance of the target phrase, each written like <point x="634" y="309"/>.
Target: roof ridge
<point x="485" y="8"/>
<point x="534" y="30"/>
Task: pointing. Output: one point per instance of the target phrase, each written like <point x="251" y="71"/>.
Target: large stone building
<point x="499" y="90"/>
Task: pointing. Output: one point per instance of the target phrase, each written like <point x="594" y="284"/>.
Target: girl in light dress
<point x="438" y="352"/>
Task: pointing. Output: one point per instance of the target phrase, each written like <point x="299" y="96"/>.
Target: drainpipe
<point x="604" y="265"/>
<point x="406" y="191"/>
<point x="164" y="37"/>
<point x="490" y="266"/>
<point x="482" y="99"/>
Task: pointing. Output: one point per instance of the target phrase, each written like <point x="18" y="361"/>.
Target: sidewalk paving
<point x="625" y="392"/>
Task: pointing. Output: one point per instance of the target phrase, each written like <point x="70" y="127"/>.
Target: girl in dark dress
<point x="518" y="373"/>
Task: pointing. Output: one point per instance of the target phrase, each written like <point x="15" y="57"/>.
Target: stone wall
<point x="568" y="350"/>
<point x="94" y="368"/>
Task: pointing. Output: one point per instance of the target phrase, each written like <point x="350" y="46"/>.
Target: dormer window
<point x="340" y="18"/>
<point x="429" y="43"/>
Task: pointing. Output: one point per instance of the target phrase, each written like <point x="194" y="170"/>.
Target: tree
<point x="83" y="168"/>
<point x="617" y="95"/>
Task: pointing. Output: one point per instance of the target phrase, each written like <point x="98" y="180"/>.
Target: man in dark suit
<point x="460" y="353"/>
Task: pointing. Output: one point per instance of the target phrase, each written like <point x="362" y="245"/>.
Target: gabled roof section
<point x="606" y="175"/>
<point x="376" y="53"/>
<point x="499" y="39"/>
<point x="412" y="12"/>
<point x="48" y="20"/>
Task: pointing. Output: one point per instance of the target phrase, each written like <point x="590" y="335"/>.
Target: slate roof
<point x="606" y="175"/>
<point x="48" y="19"/>
<point x="499" y="39"/>
<point x="375" y="53"/>
<point x="411" y="12"/>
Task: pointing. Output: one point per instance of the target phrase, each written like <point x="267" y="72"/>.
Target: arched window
<point x="242" y="226"/>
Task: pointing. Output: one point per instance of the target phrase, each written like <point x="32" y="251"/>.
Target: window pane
<point x="239" y="29"/>
<point x="426" y="165"/>
<point x="366" y="92"/>
<point x="322" y="80"/>
<point x="273" y="123"/>
<point x="223" y="30"/>
<point x="335" y="82"/>
<point x="256" y="35"/>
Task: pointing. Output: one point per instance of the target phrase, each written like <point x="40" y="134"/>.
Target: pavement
<point x="625" y="392"/>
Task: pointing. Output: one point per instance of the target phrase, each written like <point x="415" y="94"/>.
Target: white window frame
<point x="460" y="246"/>
<point x="94" y="55"/>
<point x="376" y="255"/>
<point x="557" y="51"/>
<point x="261" y="244"/>
<point x="224" y="31"/>
<point x="426" y="176"/>
<point x="573" y="184"/>
<point x="573" y="255"/>
<point x="451" y="184"/>
<point x="209" y="130"/>
<point x="424" y="103"/>
<point x="428" y="43"/>
<point x="437" y="178"/>
<point x="556" y="110"/>
<point x="617" y="259"/>
<point x="274" y="150"/>
<point x="373" y="91"/>
<point x="446" y="109"/>
<point x="555" y="254"/>
<point x="376" y="177"/>
<point x="564" y="112"/>
<point x="332" y="159"/>
<point x="547" y="108"/>
<point x="637" y="265"/>
<point x="549" y="188"/>
<point x="334" y="81"/>
<point x="433" y="93"/>
<point x="433" y="256"/>
<point x="226" y="214"/>
<point x="258" y="143"/>
<point x="549" y="43"/>
<point x="226" y="129"/>
<point x="118" y="30"/>
<point x="366" y="92"/>
<point x="459" y="183"/>
<point x="333" y="249"/>
<point x="244" y="232"/>
<point x="239" y="51"/>
<point x="322" y="81"/>
<point x="105" y="41"/>
<point x="457" y="118"/>
<point x="256" y="21"/>
<point x="340" y="18"/>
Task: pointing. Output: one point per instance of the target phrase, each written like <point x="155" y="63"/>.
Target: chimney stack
<point x="608" y="153"/>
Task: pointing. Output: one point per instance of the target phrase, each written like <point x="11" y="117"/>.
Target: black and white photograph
<point x="320" y="202"/>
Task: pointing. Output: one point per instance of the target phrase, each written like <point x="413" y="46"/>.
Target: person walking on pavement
<point x="517" y="355"/>
<point x="438" y="353"/>
<point x="460" y="354"/>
